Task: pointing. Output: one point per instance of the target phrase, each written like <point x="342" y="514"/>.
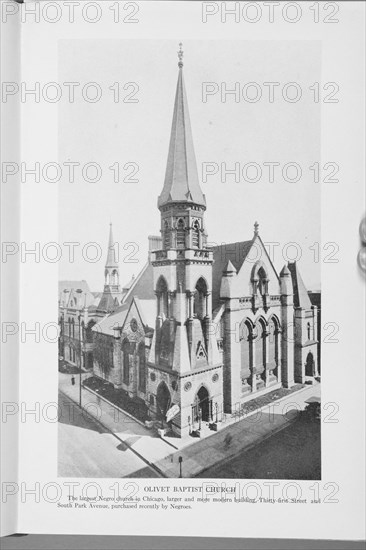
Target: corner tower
<point x="183" y="341"/>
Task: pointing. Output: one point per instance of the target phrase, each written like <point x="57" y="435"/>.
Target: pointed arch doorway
<point x="202" y="403"/>
<point x="163" y="400"/>
<point x="310" y="365"/>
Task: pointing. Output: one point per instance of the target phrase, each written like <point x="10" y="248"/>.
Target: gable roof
<point x="108" y="301"/>
<point x="77" y="290"/>
<point x="145" y="308"/>
<point x="142" y="286"/>
<point x="68" y="285"/>
<point x="115" y="319"/>
<point x="148" y="311"/>
<point x="301" y="296"/>
<point x="128" y="285"/>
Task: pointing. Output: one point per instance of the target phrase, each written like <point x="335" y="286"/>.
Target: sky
<point x="226" y="133"/>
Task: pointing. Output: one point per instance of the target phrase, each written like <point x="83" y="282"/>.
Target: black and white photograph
<point x="183" y="274"/>
<point x="190" y="313"/>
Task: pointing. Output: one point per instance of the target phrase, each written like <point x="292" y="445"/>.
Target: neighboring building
<point x="80" y="309"/>
<point x="203" y="329"/>
<point x="112" y="294"/>
<point x="77" y="314"/>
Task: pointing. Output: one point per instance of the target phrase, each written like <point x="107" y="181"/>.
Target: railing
<point x="256" y="301"/>
<point x="182" y="253"/>
<point x="160" y="255"/>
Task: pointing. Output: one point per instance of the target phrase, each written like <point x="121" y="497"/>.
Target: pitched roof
<point x="143" y="289"/>
<point x="68" y="285"/>
<point x="79" y="292"/>
<point x="181" y="177"/>
<point x="115" y="319"/>
<point x="146" y="308"/>
<point x="233" y="252"/>
<point x="128" y="285"/>
<point x="142" y="286"/>
<point x="108" y="301"/>
<point x="301" y="296"/>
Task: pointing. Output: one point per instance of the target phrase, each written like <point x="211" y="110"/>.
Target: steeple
<point x="111" y="256"/>
<point x="183" y="265"/>
<point x="111" y="296"/>
<point x="181" y="177"/>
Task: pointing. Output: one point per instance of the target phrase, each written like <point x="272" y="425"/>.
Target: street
<point x="86" y="449"/>
<point x="292" y="453"/>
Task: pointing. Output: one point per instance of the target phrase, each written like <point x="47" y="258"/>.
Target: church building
<point x="201" y="330"/>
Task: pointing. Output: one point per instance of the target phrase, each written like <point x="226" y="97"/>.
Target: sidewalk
<point x="246" y="433"/>
<point x="197" y="454"/>
<point x="140" y="439"/>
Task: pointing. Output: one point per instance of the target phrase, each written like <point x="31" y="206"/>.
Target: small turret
<point x="227" y="280"/>
<point x="286" y="282"/>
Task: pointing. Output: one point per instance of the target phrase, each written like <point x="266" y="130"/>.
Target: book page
<point x="192" y="312"/>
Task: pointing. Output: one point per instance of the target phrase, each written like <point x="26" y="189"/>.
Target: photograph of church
<point x="201" y="330"/>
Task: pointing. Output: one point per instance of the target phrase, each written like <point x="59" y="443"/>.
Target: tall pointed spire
<point x="181" y="177"/>
<point x="111" y="256"/>
<point x="112" y="295"/>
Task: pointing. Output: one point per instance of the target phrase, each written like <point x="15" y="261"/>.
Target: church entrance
<point x="310" y="365"/>
<point x="202" y="404"/>
<point x="163" y="400"/>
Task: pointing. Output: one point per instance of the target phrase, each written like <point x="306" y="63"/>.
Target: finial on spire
<point x="180" y="55"/>
<point x="256" y="228"/>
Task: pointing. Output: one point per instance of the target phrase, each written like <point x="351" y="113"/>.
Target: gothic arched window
<point x="273" y="345"/>
<point x="246" y="355"/>
<point x="196" y="234"/>
<point x="309" y="331"/>
<point x="259" y="279"/>
<point x="181" y="234"/>
<point x="114" y="277"/>
<point x="200" y="298"/>
<point x="262" y="281"/>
